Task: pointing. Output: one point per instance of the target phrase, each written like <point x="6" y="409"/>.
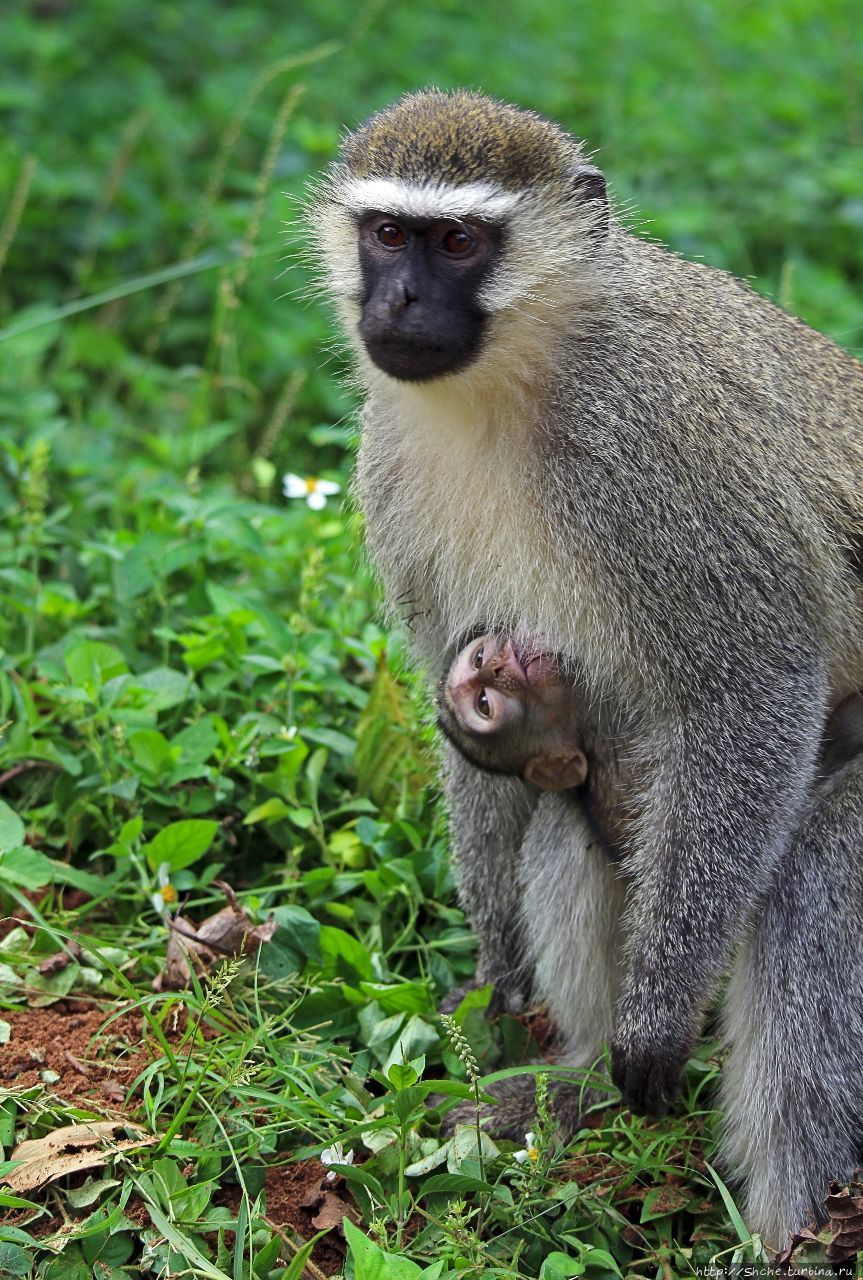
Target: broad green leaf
<point x="399" y="997"/>
<point x="14" y="1261"/>
<point x="11" y="828"/>
<point x="92" y="663"/>
<point x="420" y="1168"/>
<point x="402" y="1075"/>
<point x="346" y="953"/>
<point x="151" y="751"/>
<point x="414" y="1039"/>
<point x="33" y="870"/>
<point x="181" y="843"/>
<point x="370" y="1261"/>
<point x="270" y="811"/>
<point x="662" y="1201"/>
<point x="557" y="1266"/>
<point x="166" y="688"/>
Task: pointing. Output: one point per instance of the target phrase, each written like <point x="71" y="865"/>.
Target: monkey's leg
<point x="729" y="777"/>
<point x="793" y="1084"/>
<point x="572" y="900"/>
<point x="488" y="818"/>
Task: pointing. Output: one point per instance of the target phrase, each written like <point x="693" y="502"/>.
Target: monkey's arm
<point x="735" y="772"/>
<point x="488" y="818"/>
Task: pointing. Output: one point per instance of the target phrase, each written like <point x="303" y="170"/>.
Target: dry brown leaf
<point x="228" y="932"/>
<point x="333" y="1209"/>
<point x="783" y="1261"/>
<point x="112" y="1089"/>
<point x="68" y="1149"/>
<point x="60" y="959"/>
<point x="844" y="1207"/>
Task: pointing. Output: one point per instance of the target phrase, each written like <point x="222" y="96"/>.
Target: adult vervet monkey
<point x="570" y="432"/>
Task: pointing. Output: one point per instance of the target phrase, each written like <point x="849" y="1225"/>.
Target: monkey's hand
<point x="648" y="1072"/>
<point x="509" y="995"/>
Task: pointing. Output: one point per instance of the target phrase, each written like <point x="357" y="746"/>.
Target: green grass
<point x="195" y="681"/>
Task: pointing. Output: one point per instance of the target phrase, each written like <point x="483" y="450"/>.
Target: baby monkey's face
<point x="498" y="687"/>
<point x="506" y="708"/>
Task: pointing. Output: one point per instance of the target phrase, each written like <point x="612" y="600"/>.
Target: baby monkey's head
<point x="506" y="708"/>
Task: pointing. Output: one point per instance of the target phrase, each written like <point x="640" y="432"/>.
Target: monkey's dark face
<point x="421" y="315"/>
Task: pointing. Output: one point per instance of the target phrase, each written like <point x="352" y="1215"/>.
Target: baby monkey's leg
<point x="572" y="899"/>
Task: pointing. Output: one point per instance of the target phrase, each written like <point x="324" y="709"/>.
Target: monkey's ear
<point x="557" y="773"/>
<point x="588" y="184"/>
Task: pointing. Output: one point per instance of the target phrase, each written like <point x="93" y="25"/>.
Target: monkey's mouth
<point x="415" y="360"/>
<point x="534" y="662"/>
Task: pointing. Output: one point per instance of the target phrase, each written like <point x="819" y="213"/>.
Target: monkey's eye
<point x="482" y="704"/>
<point x="392" y="236"/>
<point x="479" y="657"/>
<point x="457" y="242"/>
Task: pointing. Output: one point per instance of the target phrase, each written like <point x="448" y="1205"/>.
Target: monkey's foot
<point x="648" y="1078"/>
<point x="514" y="1113"/>
<point x="507" y="996"/>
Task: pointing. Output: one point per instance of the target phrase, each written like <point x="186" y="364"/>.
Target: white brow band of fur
<point x="428" y="199"/>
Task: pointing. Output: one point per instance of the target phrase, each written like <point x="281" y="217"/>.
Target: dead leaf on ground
<point x="229" y="932"/>
<point x="783" y="1261"/>
<point x="844" y="1207"/>
<point x="331" y="1208"/>
<point x="70" y="1148"/>
<point x="60" y="959"/>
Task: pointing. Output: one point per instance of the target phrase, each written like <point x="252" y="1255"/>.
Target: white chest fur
<point x="460" y="521"/>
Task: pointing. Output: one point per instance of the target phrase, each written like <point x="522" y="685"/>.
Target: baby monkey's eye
<point x="482" y="704"/>
<point x="479" y="657"/>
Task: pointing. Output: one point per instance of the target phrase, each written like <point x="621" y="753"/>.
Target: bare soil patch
<point x="65" y="1049"/>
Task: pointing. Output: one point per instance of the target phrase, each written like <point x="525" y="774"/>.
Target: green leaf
<point x="303" y="930"/>
<point x="662" y="1201"/>
<point x="453" y="1182"/>
<point x="198" y="741"/>
<point x="93" y="663"/>
<point x="33" y="870"/>
<point x="180" y="843"/>
<point x="270" y="811"/>
<point x="11" y="828"/>
<point x="296" y="1267"/>
<point x="14" y="1261"/>
<point x="346" y="953"/>
<point x="399" y="997"/>
<point x="402" y="1075"/>
<point x="184" y="1246"/>
<point x="150" y="751"/>
<point x="407" y="1103"/>
<point x="557" y="1266"/>
<point x="371" y="1263"/>
<point x="412" y="1041"/>
<point x="166" y="688"/>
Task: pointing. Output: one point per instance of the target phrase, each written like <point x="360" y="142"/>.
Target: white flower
<point x="530" y="1152"/>
<point x="313" y="490"/>
<point x="335" y="1155"/>
<point x="166" y="894"/>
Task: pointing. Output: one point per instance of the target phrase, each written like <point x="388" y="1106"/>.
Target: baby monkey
<point x="509" y="708"/>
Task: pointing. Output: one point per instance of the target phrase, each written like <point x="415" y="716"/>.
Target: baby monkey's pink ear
<point x="557" y="772"/>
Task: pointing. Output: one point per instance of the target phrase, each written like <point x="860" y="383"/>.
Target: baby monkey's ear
<point x="557" y="772"/>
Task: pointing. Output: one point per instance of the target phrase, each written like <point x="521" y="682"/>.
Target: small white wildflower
<point x="166" y="895"/>
<point x="335" y="1155"/>
<point x="288" y="732"/>
<point x="530" y="1151"/>
<point x="314" y="491"/>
